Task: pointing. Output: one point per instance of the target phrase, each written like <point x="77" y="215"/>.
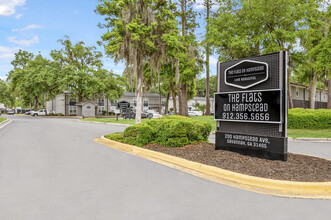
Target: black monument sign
<point x="251" y="106"/>
<point x="246" y="73"/>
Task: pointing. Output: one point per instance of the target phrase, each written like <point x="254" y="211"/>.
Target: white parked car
<point x="194" y="113"/>
<point x="38" y="113"/>
<point x="154" y="113"/>
<point x="157" y="115"/>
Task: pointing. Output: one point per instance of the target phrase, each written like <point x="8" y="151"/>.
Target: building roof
<point x="149" y="95"/>
<point x="306" y="87"/>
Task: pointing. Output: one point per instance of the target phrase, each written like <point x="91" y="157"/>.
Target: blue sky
<point x="36" y="25"/>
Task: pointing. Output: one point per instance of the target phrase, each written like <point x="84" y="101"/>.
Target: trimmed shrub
<point x="170" y="131"/>
<point x="139" y="134"/>
<point x="60" y="114"/>
<point x="309" y="118"/>
<point x="116" y="137"/>
<point x="104" y="112"/>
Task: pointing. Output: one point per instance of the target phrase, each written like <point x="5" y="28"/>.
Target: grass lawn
<point x="2" y="119"/>
<point x="294" y="133"/>
<point x="310" y="133"/>
<point x="209" y="119"/>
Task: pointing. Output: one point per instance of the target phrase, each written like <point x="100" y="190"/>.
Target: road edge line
<point x="5" y="123"/>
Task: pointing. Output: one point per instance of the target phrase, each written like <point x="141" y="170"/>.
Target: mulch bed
<point x="297" y="168"/>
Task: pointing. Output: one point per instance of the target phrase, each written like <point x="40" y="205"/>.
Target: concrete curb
<point x="313" y="139"/>
<point x="317" y="190"/>
<point x="98" y="122"/>
<point x="55" y="116"/>
<point x="5" y="123"/>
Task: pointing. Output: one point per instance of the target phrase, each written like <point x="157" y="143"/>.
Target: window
<point x="135" y="103"/>
<point x="72" y="110"/>
<point x="163" y="103"/>
<point x="296" y="91"/>
<point x="72" y="101"/>
<point x="101" y="108"/>
<point x="101" y="102"/>
<point x="145" y="103"/>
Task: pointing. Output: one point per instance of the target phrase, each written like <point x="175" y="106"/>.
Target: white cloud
<point x="24" y="42"/>
<point x="29" y="27"/>
<point x="7" y="53"/>
<point x="7" y="7"/>
<point x="199" y="5"/>
<point x="6" y="56"/>
<point x="3" y="78"/>
<point x="5" y="49"/>
<point x="213" y="61"/>
<point x="18" y="16"/>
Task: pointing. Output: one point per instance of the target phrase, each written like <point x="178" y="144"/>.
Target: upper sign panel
<point x="246" y="73"/>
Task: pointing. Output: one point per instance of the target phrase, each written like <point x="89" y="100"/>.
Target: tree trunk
<point x="45" y="99"/>
<point x="36" y="103"/>
<point x="173" y="94"/>
<point x="289" y="93"/>
<point x="312" y="92"/>
<point x="179" y="89"/>
<point x="329" y="93"/>
<point x="160" y="101"/>
<point x="139" y="86"/>
<point x="207" y="63"/>
<point x="167" y="103"/>
<point x="80" y="97"/>
<point x="172" y="88"/>
<point x="184" y="100"/>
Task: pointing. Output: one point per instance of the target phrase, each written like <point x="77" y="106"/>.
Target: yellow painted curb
<point x="319" y="190"/>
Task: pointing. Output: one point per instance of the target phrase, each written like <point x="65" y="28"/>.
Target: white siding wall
<point x="88" y="110"/>
<point x="60" y="104"/>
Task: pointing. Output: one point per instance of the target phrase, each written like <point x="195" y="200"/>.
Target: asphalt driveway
<point x="50" y="168"/>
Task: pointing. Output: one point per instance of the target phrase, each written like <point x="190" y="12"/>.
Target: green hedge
<point x="309" y="118"/>
<point x="170" y="131"/>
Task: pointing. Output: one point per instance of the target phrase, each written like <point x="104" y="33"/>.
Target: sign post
<point x="251" y="106"/>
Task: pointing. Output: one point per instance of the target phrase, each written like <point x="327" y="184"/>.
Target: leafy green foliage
<point x="309" y="118"/>
<point x="170" y="131"/>
<point x="5" y="95"/>
<point x="138" y="32"/>
<point x="247" y="28"/>
<point x="33" y="79"/>
<point x="116" y="137"/>
<point x="201" y="86"/>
